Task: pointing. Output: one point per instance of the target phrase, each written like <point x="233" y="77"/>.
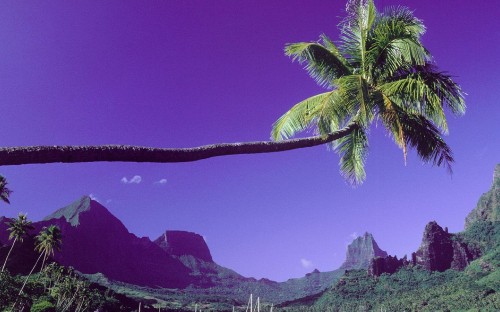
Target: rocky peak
<point x="488" y="206"/>
<point x="361" y="251"/>
<point x="389" y="265"/>
<point x="73" y="211"/>
<point x="440" y="250"/>
<point x="436" y="250"/>
<point x="181" y="243"/>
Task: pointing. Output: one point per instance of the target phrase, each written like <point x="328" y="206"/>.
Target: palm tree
<point x="18" y="229"/>
<point x="48" y="240"/>
<point x="4" y="191"/>
<point x="379" y="71"/>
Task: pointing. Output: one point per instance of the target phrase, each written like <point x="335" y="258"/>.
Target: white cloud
<point x="354" y="235"/>
<point x="162" y="181"/>
<point x="134" y="180"/>
<point x="306" y="263"/>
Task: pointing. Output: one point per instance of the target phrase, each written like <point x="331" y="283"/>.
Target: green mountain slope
<point x="415" y="288"/>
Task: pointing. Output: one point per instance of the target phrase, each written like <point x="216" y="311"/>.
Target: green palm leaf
<point x="323" y="61"/>
<point x="353" y="150"/>
<point x="413" y="94"/>
<point x="394" y="43"/>
<point x="49" y="240"/>
<point x="19" y="227"/>
<point x="421" y="134"/>
<point x="301" y="116"/>
<point x="4" y="190"/>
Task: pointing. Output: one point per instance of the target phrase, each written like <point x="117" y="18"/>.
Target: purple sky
<point x="187" y="73"/>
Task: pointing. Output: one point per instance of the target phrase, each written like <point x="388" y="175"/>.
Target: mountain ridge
<point x="98" y="244"/>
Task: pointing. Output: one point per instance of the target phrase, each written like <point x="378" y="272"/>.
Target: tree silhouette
<point x="18" y="229"/>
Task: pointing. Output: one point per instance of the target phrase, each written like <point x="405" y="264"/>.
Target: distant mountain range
<point x="448" y="272"/>
<point x="95" y="241"/>
<point x="178" y="265"/>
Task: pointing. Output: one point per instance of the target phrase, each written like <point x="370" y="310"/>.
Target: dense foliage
<point x="482" y="236"/>
<point x="415" y="289"/>
<point x="411" y="289"/>
<point x="59" y="289"/>
<point x="378" y="71"/>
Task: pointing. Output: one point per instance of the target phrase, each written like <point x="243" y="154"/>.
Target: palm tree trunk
<point x="8" y="254"/>
<point x="31" y="272"/>
<point x="26" y="281"/>
<point x="43" y="261"/>
<point x="127" y="153"/>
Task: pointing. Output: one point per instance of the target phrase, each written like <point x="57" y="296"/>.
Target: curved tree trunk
<point x="8" y="254"/>
<point x="127" y="153"/>
<point x="25" y="281"/>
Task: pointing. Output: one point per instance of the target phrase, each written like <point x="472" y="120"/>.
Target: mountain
<point x="96" y="241"/>
<point x="448" y="272"/>
<point x="182" y="243"/>
<point x="361" y="251"/>
<point x="488" y="206"/>
<point x="177" y="266"/>
<point x="440" y="250"/>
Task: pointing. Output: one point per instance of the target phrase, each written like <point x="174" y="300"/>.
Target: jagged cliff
<point x="488" y="206"/>
<point x="361" y="251"/>
<point x="183" y="243"/>
<point x="440" y="250"/>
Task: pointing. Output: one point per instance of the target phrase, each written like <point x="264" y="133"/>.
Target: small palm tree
<point x="18" y="229"/>
<point x="48" y="241"/>
<point x="4" y="191"/>
<point x="378" y="71"/>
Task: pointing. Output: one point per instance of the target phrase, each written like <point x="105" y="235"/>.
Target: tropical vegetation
<point x="4" y="190"/>
<point x="379" y="71"/>
<point x="477" y="288"/>
<point x="48" y="240"/>
<point x="18" y="228"/>
<point x="57" y="288"/>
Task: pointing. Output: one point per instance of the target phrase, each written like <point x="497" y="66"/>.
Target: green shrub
<point x="43" y="306"/>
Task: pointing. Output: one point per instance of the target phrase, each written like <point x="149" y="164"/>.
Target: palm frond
<point x="420" y="133"/>
<point x="424" y="90"/>
<point x="413" y="94"/>
<point x="361" y="15"/>
<point x="300" y="117"/>
<point x="19" y="227"/>
<point x="324" y="62"/>
<point x="49" y="240"/>
<point x="394" y="43"/>
<point x="4" y="190"/>
<point x="440" y="83"/>
<point x="355" y="94"/>
<point x="353" y="150"/>
<point x="403" y="15"/>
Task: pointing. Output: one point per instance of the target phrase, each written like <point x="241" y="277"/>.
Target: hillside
<point x="449" y="272"/>
<point x="176" y="267"/>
